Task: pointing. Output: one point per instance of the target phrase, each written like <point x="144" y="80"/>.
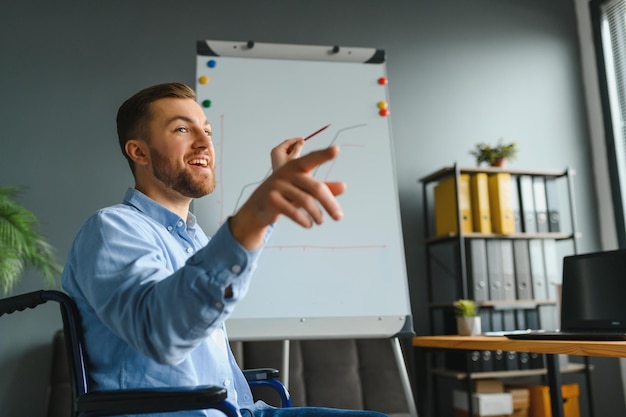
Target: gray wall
<point x="460" y="72"/>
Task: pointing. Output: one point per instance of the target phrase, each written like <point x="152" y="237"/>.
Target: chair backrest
<point x="71" y="330"/>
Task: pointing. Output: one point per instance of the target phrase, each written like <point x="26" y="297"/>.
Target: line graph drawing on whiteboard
<point x="248" y="188"/>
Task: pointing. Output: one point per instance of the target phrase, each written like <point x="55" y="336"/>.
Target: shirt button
<point x="170" y="228"/>
<point x="219" y="305"/>
<point x="189" y="250"/>
<point x="180" y="223"/>
<point x="235" y="269"/>
<point x="227" y="382"/>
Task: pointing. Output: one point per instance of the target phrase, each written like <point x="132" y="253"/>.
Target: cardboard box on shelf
<point x="521" y="401"/>
<point x="485" y="404"/>
<point x="488" y="386"/>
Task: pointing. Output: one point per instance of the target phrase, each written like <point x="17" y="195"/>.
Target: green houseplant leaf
<point x="465" y="308"/>
<point x="491" y="154"/>
<point x="21" y="245"/>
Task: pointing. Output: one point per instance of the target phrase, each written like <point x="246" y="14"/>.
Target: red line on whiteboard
<point x="221" y="164"/>
<point x="305" y="247"/>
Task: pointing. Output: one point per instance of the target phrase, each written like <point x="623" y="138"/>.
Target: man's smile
<point x="203" y="162"/>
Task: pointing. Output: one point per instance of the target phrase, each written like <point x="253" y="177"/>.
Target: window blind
<point x="611" y="22"/>
<point x="614" y="42"/>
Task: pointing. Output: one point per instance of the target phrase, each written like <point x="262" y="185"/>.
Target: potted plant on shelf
<point x="21" y="244"/>
<point x="467" y="318"/>
<point x="494" y="156"/>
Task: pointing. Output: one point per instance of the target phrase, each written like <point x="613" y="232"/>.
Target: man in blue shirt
<point x="153" y="290"/>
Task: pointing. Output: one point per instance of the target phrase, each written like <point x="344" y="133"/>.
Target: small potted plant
<point x="494" y="155"/>
<point x="467" y="318"/>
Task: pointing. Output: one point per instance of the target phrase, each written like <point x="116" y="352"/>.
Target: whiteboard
<point x="341" y="279"/>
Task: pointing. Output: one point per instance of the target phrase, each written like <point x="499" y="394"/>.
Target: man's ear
<point x="137" y="150"/>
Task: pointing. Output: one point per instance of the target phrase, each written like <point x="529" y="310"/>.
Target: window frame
<point x="618" y="189"/>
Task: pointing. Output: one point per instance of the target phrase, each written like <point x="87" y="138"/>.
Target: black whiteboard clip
<point x="250" y="44"/>
<point x="336" y="49"/>
<point x="407" y="330"/>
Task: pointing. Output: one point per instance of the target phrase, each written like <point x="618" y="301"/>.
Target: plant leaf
<point x="21" y="244"/>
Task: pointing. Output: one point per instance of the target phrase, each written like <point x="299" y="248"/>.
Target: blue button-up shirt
<point x="150" y="289"/>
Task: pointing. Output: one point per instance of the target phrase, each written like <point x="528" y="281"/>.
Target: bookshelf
<point x="508" y="266"/>
<point x="567" y="232"/>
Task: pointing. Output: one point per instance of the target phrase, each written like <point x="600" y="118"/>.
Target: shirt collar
<point x="151" y="208"/>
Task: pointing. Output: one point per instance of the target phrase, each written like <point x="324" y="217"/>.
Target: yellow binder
<point x="445" y="206"/>
<point x="501" y="203"/>
<point x="481" y="214"/>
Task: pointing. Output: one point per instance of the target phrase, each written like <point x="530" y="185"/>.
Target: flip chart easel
<point x="345" y="279"/>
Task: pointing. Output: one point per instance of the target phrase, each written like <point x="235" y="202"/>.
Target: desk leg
<point x="424" y="380"/>
<point x="469" y="387"/>
<point x="588" y="383"/>
<point x="554" y="382"/>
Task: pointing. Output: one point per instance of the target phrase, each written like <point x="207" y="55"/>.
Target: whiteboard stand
<point x="404" y="376"/>
<point x="286" y="364"/>
<point x="397" y="353"/>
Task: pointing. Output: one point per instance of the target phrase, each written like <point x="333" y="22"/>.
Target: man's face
<point x="180" y="147"/>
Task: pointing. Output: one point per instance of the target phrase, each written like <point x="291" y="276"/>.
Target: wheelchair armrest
<point x="268" y="377"/>
<point x="21" y="302"/>
<point x="154" y="400"/>
<point x="259" y="374"/>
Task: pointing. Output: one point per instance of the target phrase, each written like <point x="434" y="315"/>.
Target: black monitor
<point x="594" y="291"/>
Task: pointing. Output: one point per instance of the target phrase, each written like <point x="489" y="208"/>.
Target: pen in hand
<point x="310" y="136"/>
<point x="316" y="132"/>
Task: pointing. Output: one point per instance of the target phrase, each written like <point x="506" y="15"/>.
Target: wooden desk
<point x="569" y="347"/>
<point x="549" y="347"/>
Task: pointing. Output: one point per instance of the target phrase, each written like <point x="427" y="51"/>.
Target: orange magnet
<point x="382" y="105"/>
<point x="203" y="80"/>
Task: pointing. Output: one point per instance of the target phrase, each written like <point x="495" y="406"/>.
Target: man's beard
<point x="180" y="181"/>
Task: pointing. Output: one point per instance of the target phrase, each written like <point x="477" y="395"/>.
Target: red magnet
<point x="384" y="112"/>
<point x="382" y="80"/>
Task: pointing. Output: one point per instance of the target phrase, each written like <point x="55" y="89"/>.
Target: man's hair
<point x="135" y="114"/>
